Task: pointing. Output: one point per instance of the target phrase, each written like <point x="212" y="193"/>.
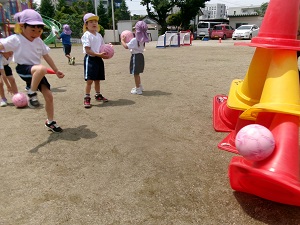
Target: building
<point x="214" y="11"/>
<point x="244" y="15"/>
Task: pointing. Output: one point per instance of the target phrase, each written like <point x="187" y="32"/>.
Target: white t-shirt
<point x="25" y="52"/>
<point x="93" y="41"/>
<point x="134" y="47"/>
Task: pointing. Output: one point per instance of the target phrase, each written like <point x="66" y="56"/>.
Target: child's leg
<point x="97" y="86"/>
<point x="13" y="84"/>
<point x="137" y="80"/>
<point x="87" y="98"/>
<point x="49" y="107"/>
<point x="88" y="87"/>
<point x="38" y="72"/>
<point x="2" y="92"/>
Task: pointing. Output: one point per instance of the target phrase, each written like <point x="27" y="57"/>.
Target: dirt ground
<point x="150" y="159"/>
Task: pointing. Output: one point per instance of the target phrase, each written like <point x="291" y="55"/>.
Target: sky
<point x="135" y="7"/>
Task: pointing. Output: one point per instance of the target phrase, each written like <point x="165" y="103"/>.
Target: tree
<point x="188" y="10"/>
<point x="123" y="13"/>
<point x="162" y="10"/>
<point x="103" y="17"/>
<point x="263" y="8"/>
<point x="47" y="9"/>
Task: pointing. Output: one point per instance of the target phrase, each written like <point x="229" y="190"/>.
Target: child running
<point x="7" y="77"/>
<point x="137" y="62"/>
<point x="65" y="36"/>
<point x="93" y="59"/>
<point x="28" y="49"/>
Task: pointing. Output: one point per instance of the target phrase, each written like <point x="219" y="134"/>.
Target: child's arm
<point x="102" y="55"/>
<point x="124" y="43"/>
<point x="50" y="62"/>
<point x="4" y="78"/>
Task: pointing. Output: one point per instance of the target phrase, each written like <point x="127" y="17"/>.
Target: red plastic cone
<point x="279" y="14"/>
<point x="277" y="177"/>
<point x="228" y="143"/>
<point x="224" y="118"/>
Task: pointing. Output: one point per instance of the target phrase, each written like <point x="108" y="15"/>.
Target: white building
<point x="214" y="11"/>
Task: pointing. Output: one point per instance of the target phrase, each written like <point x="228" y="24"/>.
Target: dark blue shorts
<point x="93" y="68"/>
<point x="137" y="63"/>
<point x="24" y="71"/>
<point x="67" y="49"/>
<point x="8" y="71"/>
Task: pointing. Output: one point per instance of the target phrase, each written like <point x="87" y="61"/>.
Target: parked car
<point x="245" y="32"/>
<point x="222" y="31"/>
<point x="204" y="28"/>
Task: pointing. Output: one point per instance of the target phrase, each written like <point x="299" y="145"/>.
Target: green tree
<point x="123" y="13"/>
<point x="161" y="11"/>
<point x="174" y="19"/>
<point x="263" y="8"/>
<point x="103" y="17"/>
<point x="188" y="10"/>
<point x="47" y="8"/>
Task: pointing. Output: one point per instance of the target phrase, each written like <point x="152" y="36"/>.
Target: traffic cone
<point x="245" y="93"/>
<point x="228" y="143"/>
<point x="224" y="118"/>
<point x="281" y="89"/>
<point x="277" y="177"/>
<point x="278" y="14"/>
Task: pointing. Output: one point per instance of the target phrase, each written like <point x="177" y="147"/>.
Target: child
<point x="65" y="36"/>
<point x="7" y="77"/>
<point x="28" y="49"/>
<point x="3" y="80"/>
<point x="137" y="61"/>
<point x="93" y="59"/>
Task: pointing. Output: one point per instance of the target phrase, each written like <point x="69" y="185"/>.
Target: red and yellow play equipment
<point x="269" y="95"/>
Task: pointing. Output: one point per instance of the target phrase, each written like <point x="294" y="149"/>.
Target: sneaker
<point x="53" y="127"/>
<point x="73" y="60"/>
<point x="33" y="102"/>
<point x="87" y="102"/>
<point x="70" y="61"/>
<point x="141" y="87"/>
<point x="100" y="97"/>
<point x="3" y="103"/>
<point x="136" y="91"/>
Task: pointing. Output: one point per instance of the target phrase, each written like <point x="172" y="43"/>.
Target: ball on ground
<point x="20" y="100"/>
<point x="108" y="49"/>
<point x="127" y="34"/>
<point x="255" y="142"/>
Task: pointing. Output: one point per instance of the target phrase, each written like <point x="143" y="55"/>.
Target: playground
<point x="150" y="159"/>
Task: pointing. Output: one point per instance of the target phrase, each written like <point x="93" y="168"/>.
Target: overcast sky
<point x="135" y="7"/>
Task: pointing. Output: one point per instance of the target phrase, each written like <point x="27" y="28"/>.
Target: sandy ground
<point x="150" y="159"/>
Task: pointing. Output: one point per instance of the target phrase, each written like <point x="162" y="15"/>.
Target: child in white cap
<point x="93" y="59"/>
<point x="28" y="50"/>
<point x="137" y="62"/>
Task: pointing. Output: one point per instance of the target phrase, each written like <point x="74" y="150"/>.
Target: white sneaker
<point x="3" y="103"/>
<point x="136" y="91"/>
<point x="141" y="87"/>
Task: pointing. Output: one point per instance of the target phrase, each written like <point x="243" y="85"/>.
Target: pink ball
<point x="255" y="142"/>
<point x="109" y="49"/>
<point x="20" y="100"/>
<point x="128" y="35"/>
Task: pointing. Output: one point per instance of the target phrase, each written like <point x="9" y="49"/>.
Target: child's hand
<point x="59" y="74"/>
<point x="103" y="55"/>
<point x="7" y="54"/>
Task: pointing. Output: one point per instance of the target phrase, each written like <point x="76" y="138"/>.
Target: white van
<point x="204" y="28"/>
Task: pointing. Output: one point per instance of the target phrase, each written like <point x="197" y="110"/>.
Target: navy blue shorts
<point x="24" y="72"/>
<point x="93" y="68"/>
<point x="8" y="71"/>
<point x="67" y="49"/>
<point x="137" y="63"/>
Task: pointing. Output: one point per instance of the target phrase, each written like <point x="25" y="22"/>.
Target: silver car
<point x="245" y="32"/>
